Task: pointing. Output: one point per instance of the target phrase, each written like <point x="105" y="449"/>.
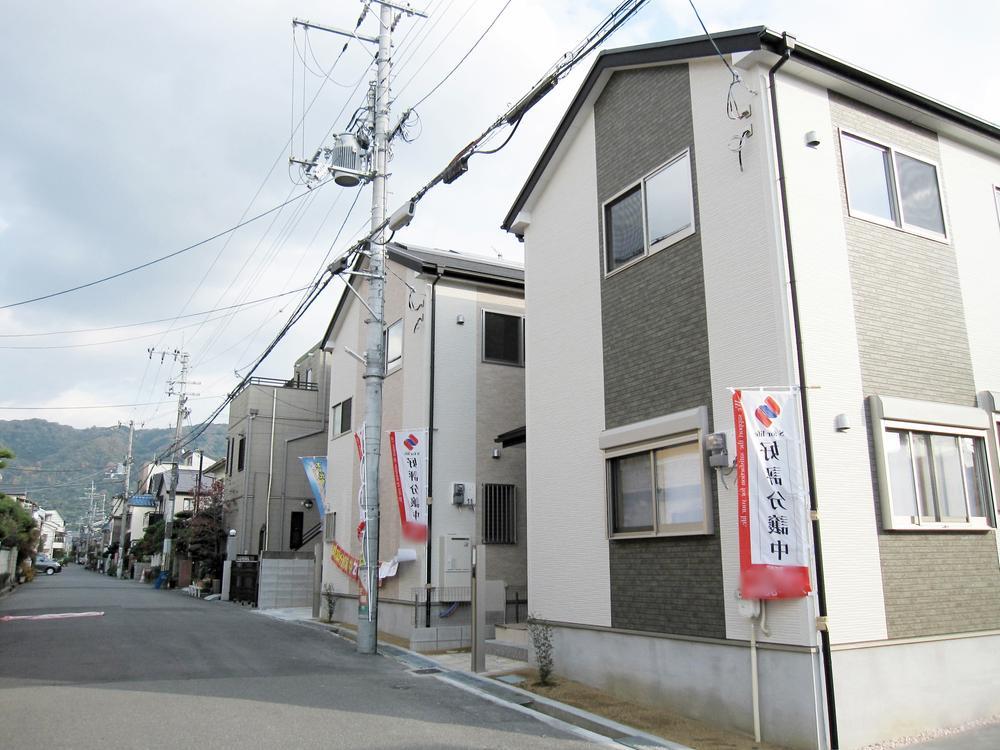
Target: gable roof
<point x="753" y="39"/>
<point x="434" y="262"/>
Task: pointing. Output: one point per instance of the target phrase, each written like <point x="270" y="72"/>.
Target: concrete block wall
<point x="286" y="580"/>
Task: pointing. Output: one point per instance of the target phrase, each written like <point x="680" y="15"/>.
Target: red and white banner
<point x="409" y="465"/>
<point x="772" y="495"/>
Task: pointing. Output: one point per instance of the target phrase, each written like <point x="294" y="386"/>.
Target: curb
<point x="561" y="715"/>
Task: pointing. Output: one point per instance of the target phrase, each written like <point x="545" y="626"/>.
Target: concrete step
<point x="506" y="649"/>
<point x="516" y="632"/>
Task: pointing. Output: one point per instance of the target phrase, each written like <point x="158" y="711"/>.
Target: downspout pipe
<point x="788" y="47"/>
<point x="430" y="452"/>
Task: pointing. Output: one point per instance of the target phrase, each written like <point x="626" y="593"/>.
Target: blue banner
<point x="315" y="467"/>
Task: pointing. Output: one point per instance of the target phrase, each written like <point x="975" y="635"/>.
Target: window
<point x="891" y="187"/>
<point x="340" y="419"/>
<point x="393" y="347"/>
<point x="932" y="475"/>
<point x="241" y="453"/>
<point x="651" y="215"/>
<point x="309" y="376"/>
<point x="658" y="491"/>
<point x="656" y="476"/>
<point x="229" y="457"/>
<point x="499" y="514"/>
<point x="503" y="338"/>
<point x="996" y="199"/>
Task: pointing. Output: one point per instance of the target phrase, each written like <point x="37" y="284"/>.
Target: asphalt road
<point x="162" y="670"/>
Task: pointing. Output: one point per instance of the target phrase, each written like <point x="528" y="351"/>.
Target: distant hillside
<point x="56" y="463"/>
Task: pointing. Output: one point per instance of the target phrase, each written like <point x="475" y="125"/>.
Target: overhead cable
<point x="168" y="256"/>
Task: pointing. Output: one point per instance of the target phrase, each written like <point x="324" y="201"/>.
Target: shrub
<point x="541" y="640"/>
<point x="330" y="596"/>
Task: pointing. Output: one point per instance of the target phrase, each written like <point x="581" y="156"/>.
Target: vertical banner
<point x="772" y="495"/>
<point x="315" y="467"/>
<point x="409" y="466"/>
<point x="363" y="587"/>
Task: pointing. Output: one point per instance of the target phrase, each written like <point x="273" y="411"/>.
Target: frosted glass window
<point x="949" y="485"/>
<point x="678" y="485"/>
<point x="918" y="193"/>
<point x="937" y="478"/>
<point x="668" y="201"/>
<point x="900" y="464"/>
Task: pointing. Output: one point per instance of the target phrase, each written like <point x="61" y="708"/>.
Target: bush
<point x="541" y="640"/>
<point x="330" y="596"/>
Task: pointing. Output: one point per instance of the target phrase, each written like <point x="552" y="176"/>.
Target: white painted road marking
<point x="59" y="616"/>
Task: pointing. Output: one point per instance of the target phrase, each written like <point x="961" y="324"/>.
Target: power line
<point x="96" y="406"/>
<point x="158" y="320"/>
<point x="167" y="256"/>
<point x="448" y="75"/>
<point x="122" y="340"/>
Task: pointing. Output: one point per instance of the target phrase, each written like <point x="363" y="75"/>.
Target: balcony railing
<point x="277" y="383"/>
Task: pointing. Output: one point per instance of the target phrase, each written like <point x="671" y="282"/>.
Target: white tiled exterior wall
<point x="568" y="572"/>
<point x="843" y="480"/>
<point x="970" y="179"/>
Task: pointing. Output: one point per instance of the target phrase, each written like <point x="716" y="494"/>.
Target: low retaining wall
<point x="286" y="580"/>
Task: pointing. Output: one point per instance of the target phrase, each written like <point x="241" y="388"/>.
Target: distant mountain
<point x="55" y="463"/>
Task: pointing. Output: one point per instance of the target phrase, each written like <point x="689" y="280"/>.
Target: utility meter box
<point x="456" y="560"/>
<point x="463" y="493"/>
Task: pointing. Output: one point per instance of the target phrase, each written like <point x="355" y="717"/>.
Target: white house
<point x="796" y="224"/>
<point x="455" y="367"/>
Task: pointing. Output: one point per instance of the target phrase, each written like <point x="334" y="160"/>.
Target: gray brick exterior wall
<point x="656" y="359"/>
<point x="913" y="343"/>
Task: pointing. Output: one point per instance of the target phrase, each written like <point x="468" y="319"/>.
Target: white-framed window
<point x="933" y="465"/>
<point x="340" y="417"/>
<point x="393" y="347"/>
<point x="650" y="215"/>
<point x="657" y="481"/>
<point x="503" y="338"/>
<point x="891" y="187"/>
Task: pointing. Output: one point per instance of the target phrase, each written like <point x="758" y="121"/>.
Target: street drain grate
<point x="427" y="670"/>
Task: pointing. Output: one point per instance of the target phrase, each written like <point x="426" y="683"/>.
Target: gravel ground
<point x="933" y="734"/>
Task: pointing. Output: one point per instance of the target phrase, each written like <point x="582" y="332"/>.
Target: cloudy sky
<point x="131" y="130"/>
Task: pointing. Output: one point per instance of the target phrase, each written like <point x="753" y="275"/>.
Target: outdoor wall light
<point x="812" y="139"/>
<point x="232" y="532"/>
<point x="307" y="504"/>
<point x="460" y="320"/>
<point x="496" y="453"/>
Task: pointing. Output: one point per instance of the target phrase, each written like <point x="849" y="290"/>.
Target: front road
<point x="161" y="670"/>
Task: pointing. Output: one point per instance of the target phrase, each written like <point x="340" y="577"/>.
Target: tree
<point x="17" y="527"/>
<point x="202" y="532"/>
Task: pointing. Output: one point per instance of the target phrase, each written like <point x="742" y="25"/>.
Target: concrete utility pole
<point x="182" y="412"/>
<point x="375" y="354"/>
<point x="128" y="475"/>
<point x="374" y="360"/>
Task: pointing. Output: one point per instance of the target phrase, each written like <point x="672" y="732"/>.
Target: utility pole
<point x="374" y="360"/>
<point x="375" y="354"/>
<point x="178" y="387"/>
<point x="92" y="496"/>
<point x="128" y="474"/>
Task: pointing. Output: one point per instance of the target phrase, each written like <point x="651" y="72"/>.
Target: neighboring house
<point x="272" y="423"/>
<point x="52" y="532"/>
<point x="140" y="508"/>
<point x="454" y="327"/>
<point x="193" y="483"/>
<point x="846" y="245"/>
